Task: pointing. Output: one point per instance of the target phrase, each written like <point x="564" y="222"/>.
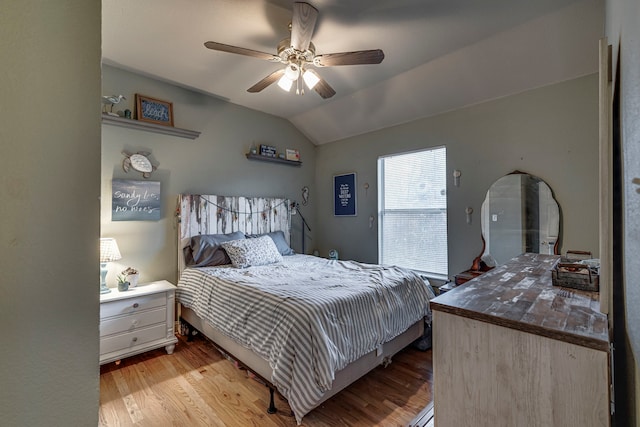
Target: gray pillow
<point x="206" y="250"/>
<point x="278" y="239"/>
<point x="257" y="251"/>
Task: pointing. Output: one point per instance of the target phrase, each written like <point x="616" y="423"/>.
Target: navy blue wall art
<point x="344" y="195"/>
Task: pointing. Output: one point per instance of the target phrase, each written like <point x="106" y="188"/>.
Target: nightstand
<point x="467" y="275"/>
<point x="446" y="287"/>
<point x="137" y="320"/>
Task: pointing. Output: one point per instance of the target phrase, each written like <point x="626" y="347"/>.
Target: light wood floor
<point x="196" y="386"/>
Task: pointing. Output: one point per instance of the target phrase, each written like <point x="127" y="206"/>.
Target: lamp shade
<point x="109" y="250"/>
<point x="285" y="83"/>
<point x="292" y="72"/>
<point x="310" y="78"/>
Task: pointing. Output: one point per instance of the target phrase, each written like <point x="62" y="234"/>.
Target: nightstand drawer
<point x="130" y="322"/>
<point x="132" y="305"/>
<point x="132" y="339"/>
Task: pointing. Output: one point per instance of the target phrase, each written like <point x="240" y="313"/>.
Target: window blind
<point x="412" y="211"/>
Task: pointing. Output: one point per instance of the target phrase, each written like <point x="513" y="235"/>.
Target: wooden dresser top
<point x="519" y="295"/>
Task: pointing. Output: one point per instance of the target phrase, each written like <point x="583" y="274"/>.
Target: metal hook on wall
<point x="468" y="211"/>
<point x="456" y="177"/>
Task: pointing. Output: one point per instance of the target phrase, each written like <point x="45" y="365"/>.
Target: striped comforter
<point x="308" y="316"/>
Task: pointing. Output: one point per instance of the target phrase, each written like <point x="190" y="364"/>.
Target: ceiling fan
<point x="298" y="54"/>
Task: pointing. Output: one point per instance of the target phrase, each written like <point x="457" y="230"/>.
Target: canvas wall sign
<point x="344" y="195"/>
<point x="135" y="200"/>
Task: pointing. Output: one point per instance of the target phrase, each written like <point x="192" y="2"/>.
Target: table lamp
<point x="108" y="252"/>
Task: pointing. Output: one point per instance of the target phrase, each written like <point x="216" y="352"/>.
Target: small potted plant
<point x="131" y="275"/>
<point x="123" y="284"/>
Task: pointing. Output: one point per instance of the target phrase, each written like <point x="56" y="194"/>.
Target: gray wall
<point x="550" y="132"/>
<point x="623" y="33"/>
<point x="214" y="163"/>
<point x="49" y="187"/>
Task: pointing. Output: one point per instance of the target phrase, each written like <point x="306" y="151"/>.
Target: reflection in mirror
<point x="519" y="214"/>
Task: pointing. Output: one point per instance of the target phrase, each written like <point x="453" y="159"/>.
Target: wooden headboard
<point x="210" y="214"/>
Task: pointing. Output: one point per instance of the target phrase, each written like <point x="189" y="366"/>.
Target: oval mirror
<point x="519" y="214"/>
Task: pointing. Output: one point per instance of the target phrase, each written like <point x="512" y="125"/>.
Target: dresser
<point x="511" y="349"/>
<point x="137" y="320"/>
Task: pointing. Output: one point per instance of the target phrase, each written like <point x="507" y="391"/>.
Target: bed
<point x="307" y="326"/>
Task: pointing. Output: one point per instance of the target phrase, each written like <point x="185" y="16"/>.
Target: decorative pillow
<point x="206" y="250"/>
<point x="257" y="251"/>
<point x="278" y="239"/>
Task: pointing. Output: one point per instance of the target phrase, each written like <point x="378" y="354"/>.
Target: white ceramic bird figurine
<point x="111" y="100"/>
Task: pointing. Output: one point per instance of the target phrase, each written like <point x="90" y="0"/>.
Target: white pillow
<point x="247" y="252"/>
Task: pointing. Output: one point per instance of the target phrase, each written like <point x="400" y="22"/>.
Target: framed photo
<point x="154" y="110"/>
<point x="268" y="150"/>
<point x="135" y="200"/>
<point x="293" y="155"/>
<point x="344" y="195"/>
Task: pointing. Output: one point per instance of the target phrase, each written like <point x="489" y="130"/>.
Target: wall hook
<point x="468" y="211"/>
<point x="456" y="177"/>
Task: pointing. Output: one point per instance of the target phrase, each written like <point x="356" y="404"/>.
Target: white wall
<point x="550" y="132"/>
<point x="214" y="163"/>
<point x="49" y="212"/>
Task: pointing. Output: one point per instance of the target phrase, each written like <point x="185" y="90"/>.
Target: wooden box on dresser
<point x="510" y="349"/>
<point x="137" y="320"/>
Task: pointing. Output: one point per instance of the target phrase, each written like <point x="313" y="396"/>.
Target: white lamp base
<point x="103" y="278"/>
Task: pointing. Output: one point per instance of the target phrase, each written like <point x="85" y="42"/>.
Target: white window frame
<point x="438" y="252"/>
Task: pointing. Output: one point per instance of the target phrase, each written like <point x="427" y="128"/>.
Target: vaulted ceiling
<point x="439" y="54"/>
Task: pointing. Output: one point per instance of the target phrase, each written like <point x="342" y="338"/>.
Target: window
<point x="412" y="211"/>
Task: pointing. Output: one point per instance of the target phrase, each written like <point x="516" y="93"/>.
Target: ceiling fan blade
<point x="323" y="89"/>
<point x="302" y="25"/>
<point x="242" y="51"/>
<point x="374" y="56"/>
<point x="270" y="79"/>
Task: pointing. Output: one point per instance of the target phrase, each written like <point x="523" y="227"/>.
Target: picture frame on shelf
<point x="293" y="155"/>
<point x="268" y="150"/>
<point x="154" y="110"/>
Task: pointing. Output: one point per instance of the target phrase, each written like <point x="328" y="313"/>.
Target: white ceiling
<point x="439" y="54"/>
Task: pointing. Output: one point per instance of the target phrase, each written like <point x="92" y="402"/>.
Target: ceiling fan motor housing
<point x="290" y="55"/>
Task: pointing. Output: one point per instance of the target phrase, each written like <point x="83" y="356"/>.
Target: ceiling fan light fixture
<point x="292" y="72"/>
<point x="310" y="78"/>
<point x="296" y="52"/>
<point x="285" y="83"/>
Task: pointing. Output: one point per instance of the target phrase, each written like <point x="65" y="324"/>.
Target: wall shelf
<point x="273" y="159"/>
<point x="149" y="127"/>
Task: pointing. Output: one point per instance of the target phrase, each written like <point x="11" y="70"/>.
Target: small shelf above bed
<point x="273" y="159"/>
<point x="149" y="127"/>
